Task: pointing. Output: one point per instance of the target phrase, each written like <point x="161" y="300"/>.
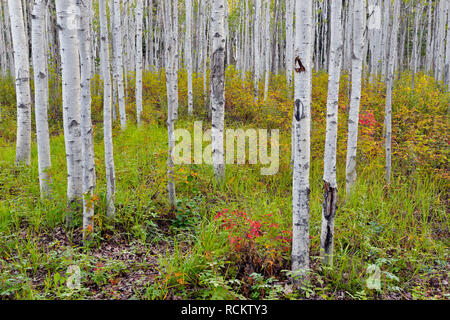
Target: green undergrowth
<point x="230" y="241"/>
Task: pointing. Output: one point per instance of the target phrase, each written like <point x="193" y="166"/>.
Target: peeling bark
<point x="302" y="145"/>
<point x="329" y="175"/>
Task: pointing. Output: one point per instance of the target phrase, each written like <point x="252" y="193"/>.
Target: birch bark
<point x="389" y="84"/>
<point x="189" y="55"/>
<point x="88" y="164"/>
<point x="107" y="105"/>
<point x="172" y="92"/>
<point x="41" y="94"/>
<point x="386" y="35"/>
<point x="22" y="79"/>
<point x="118" y="62"/>
<point x="218" y="88"/>
<point x="302" y="130"/>
<point x="329" y="175"/>
<point x="267" y="49"/>
<point x="139" y="56"/>
<point x="355" y="100"/>
<point x="447" y="51"/>
<point x="68" y="19"/>
<point x="289" y="40"/>
<point x="416" y="48"/>
<point x="429" y="52"/>
<point x="440" y="40"/>
<point x="256" y="47"/>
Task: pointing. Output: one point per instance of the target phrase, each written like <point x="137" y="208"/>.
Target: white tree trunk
<point x="22" y="78"/>
<point x="289" y="40"/>
<point x="218" y="88"/>
<point x="189" y="55"/>
<point x="389" y="85"/>
<point x="172" y="90"/>
<point x="68" y="18"/>
<point x="139" y="57"/>
<point x="355" y="99"/>
<point x="440" y="41"/>
<point x="175" y="41"/>
<point x="267" y="49"/>
<point x="375" y="35"/>
<point x="257" y="46"/>
<point x="107" y="104"/>
<point x="447" y="50"/>
<point x="302" y="130"/>
<point x="329" y="174"/>
<point x="416" y="47"/>
<point x="84" y="36"/>
<point x="118" y="62"/>
<point x="4" y="67"/>
<point x="386" y="35"/>
<point x="429" y="51"/>
<point x="41" y="94"/>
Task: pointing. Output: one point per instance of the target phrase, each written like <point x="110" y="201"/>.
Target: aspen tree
<point x="302" y="130"/>
<point x="429" y="51"/>
<point x="175" y="29"/>
<point x="267" y="48"/>
<point x="189" y="55"/>
<point x="9" y="40"/>
<point x="118" y="61"/>
<point x="68" y="19"/>
<point x="22" y="80"/>
<point x="416" y="48"/>
<point x="275" y="57"/>
<point x="447" y="50"/>
<point x="218" y="88"/>
<point x="207" y="25"/>
<point x="289" y="40"/>
<point x="439" y="59"/>
<point x="389" y="85"/>
<point x="41" y="94"/>
<point x="247" y="46"/>
<point x="107" y="105"/>
<point x="87" y="136"/>
<point x="374" y="35"/>
<point x="149" y="36"/>
<point x="3" y="46"/>
<point x="170" y="45"/>
<point x="329" y="174"/>
<point x="386" y="35"/>
<point x="139" y="57"/>
<point x="110" y="4"/>
<point x="355" y="99"/>
<point x="257" y="47"/>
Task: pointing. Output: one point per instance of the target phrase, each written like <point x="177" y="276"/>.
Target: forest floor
<point x="233" y="241"/>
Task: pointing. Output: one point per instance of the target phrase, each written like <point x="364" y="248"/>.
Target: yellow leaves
<point x="180" y="277"/>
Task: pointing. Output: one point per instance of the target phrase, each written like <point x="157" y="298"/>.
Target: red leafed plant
<point x="258" y="245"/>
